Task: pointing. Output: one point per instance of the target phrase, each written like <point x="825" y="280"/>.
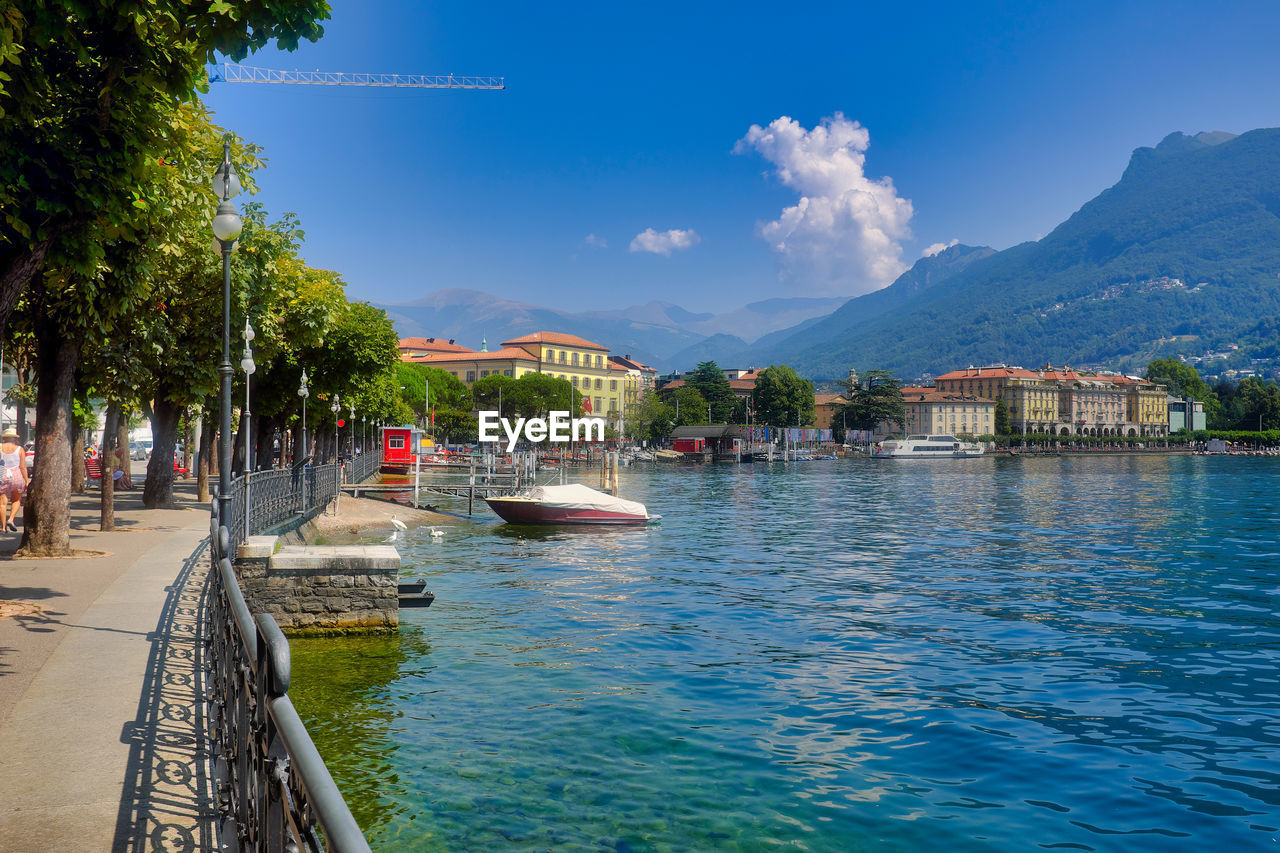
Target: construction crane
<point x="229" y="72"/>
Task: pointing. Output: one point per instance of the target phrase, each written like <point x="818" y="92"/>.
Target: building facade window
<point x="575" y="382"/>
<point x="613" y="385"/>
<point x="575" y="359"/>
<point x="506" y="373"/>
<point x="563" y="356"/>
<point x="596" y="405"/>
<point x="599" y="384"/>
<point x="471" y="376"/>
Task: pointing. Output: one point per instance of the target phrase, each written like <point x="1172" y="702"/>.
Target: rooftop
<point x="555" y="339"/>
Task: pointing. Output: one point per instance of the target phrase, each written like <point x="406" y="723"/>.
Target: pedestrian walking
<point x="13" y="478"/>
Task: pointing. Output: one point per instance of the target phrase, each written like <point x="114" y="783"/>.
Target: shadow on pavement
<point x="167" y="802"/>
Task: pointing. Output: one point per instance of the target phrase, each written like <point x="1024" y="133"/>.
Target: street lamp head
<point x="336" y="405"/>
<point x="223" y="188"/>
<point x="226" y="223"/>
<point x="248" y="332"/>
<point x="303" y="390"/>
<point x="246" y="363"/>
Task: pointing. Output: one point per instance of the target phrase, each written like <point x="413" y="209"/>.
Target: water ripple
<point x="1058" y="653"/>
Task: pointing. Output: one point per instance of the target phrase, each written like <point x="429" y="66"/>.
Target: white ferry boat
<point x="927" y="447"/>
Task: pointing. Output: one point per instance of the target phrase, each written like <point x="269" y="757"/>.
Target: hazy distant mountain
<point x="652" y="332"/>
<point x="1181" y="256"/>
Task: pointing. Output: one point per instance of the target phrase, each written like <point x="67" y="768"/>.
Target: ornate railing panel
<point x="273" y="786"/>
<point x="363" y="466"/>
<point x="275" y="495"/>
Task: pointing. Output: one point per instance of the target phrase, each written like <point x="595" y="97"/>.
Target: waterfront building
<point x="609" y="389"/>
<point x="931" y="411"/>
<point x="468" y="365"/>
<point x="1178" y="414"/>
<point x="1063" y="401"/>
<point x="825" y="409"/>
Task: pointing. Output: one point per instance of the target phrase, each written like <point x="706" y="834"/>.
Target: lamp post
<point x="335" y="408"/>
<point x="352" y="429"/>
<point x="304" y="392"/>
<point x="226" y="228"/>
<point x="247" y="365"/>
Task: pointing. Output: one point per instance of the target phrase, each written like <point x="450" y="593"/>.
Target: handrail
<point x="273" y="786"/>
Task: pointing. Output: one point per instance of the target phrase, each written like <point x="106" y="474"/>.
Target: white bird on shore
<point x="398" y="524"/>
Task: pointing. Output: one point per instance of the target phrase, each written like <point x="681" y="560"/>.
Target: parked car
<point x="140" y="450"/>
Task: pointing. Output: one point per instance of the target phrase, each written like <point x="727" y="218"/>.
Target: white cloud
<point x="844" y="235"/>
<point x="598" y="242"/>
<point x="664" y="242"/>
<point x="937" y="248"/>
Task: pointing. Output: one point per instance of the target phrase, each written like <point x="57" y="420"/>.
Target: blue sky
<point x="620" y="165"/>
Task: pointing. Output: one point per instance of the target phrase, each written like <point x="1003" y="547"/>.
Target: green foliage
<point x="782" y="398"/>
<point x="710" y="382"/>
<point x="653" y="419"/>
<point x="879" y="400"/>
<point x="1003" y="426"/>
<point x="87" y="98"/>
<point x="450" y="400"/>
<point x="690" y="406"/>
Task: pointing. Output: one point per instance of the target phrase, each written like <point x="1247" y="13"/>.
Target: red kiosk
<point x="399" y="446"/>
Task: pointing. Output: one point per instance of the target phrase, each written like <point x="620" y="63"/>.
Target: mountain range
<point x="656" y="333"/>
<point x="1180" y="257"/>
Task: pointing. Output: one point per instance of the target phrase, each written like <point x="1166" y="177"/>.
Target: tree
<point x="1002" y="425"/>
<point x="86" y="95"/>
<point x="653" y="419"/>
<point x="1257" y="405"/>
<point x="782" y="398"/>
<point x="1183" y="380"/>
<point x="879" y="400"/>
<point x="710" y="382"/>
<point x="690" y="406"/>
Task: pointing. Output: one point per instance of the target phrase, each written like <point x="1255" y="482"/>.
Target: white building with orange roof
<point x="932" y="411"/>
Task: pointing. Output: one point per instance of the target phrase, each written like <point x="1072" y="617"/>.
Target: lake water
<point x="991" y="654"/>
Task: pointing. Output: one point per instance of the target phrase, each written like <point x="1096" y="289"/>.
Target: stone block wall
<point x="321" y="590"/>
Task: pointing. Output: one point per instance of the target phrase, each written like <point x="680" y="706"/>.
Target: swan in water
<point x="395" y="534"/>
<point x="437" y="533"/>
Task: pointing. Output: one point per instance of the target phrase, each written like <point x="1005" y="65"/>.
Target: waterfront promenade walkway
<point x="102" y="731"/>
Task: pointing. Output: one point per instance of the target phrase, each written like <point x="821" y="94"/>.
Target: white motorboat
<point x="927" y="447"/>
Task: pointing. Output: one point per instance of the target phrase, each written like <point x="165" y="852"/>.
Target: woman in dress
<point x="13" y="478"/>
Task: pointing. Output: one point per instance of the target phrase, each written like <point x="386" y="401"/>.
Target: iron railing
<point x="362" y="467"/>
<point x="268" y="498"/>
<point x="273" y="786"/>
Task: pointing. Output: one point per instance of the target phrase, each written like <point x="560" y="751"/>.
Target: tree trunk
<point x="237" y="445"/>
<point x="107" y="505"/>
<point x="18" y="266"/>
<point x="77" y="470"/>
<point x="122" y="441"/>
<point x="202" y="459"/>
<point x="158" y="489"/>
<point x="267" y="443"/>
<point x="47" y="514"/>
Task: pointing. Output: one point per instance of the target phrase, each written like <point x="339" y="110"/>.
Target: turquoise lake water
<point x="991" y="654"/>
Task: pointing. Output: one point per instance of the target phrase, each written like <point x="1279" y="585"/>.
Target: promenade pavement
<point x="102" y="727"/>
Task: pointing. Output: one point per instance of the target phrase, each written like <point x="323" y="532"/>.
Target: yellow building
<point x="609" y="389"/>
<point x="1067" y="402"/>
